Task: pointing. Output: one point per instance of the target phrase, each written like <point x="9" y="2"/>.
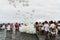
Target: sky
<point x="42" y="9"/>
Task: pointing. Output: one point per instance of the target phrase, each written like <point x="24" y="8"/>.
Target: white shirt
<point x="46" y="27"/>
<point x="52" y="26"/>
<point x="3" y="27"/>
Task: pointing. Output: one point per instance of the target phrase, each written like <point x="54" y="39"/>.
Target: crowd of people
<point x="9" y="26"/>
<point x="48" y="29"/>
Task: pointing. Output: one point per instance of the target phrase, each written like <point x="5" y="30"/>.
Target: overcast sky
<point x="43" y="9"/>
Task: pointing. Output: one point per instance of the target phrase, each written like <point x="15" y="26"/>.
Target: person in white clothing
<point x="51" y="26"/>
<point x="46" y="28"/>
<point x="52" y="30"/>
<point x="3" y="27"/>
<point x="8" y="28"/>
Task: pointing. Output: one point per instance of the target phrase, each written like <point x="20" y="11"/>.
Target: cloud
<point x="45" y="9"/>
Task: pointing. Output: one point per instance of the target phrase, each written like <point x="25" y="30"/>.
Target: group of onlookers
<point x="49" y="29"/>
<point x="9" y="26"/>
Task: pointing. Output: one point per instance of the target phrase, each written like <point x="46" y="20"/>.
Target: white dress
<point x="8" y="27"/>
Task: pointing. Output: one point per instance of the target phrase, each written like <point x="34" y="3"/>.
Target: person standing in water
<point x="3" y="27"/>
<point x="8" y="27"/>
<point x="54" y="31"/>
<point x="17" y="27"/>
<point x="36" y="25"/>
<point x="46" y="28"/>
<point x="11" y="25"/>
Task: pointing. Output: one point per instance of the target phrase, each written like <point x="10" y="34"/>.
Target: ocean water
<point x="4" y="35"/>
